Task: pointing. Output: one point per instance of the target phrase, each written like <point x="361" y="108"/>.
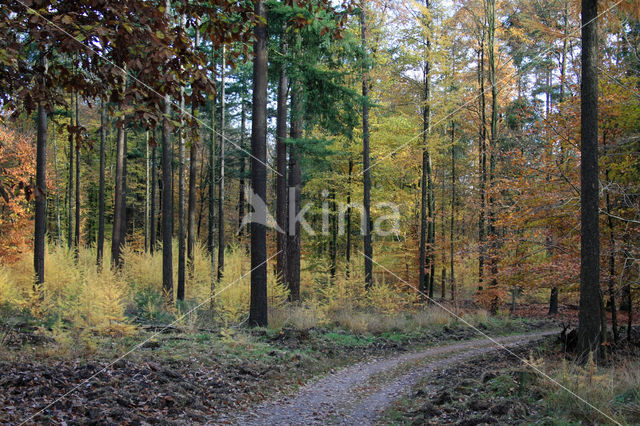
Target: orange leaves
<point x="17" y="171"/>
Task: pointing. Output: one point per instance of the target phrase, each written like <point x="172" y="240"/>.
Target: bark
<point x="221" y="183"/>
<point x="366" y="174"/>
<point x="41" y="195"/>
<point x="348" y="250"/>
<point x="589" y="327"/>
<point x="167" y="205"/>
<point x="553" y="301"/>
<point x="76" y="241"/>
<point x="118" y="222"/>
<point x="182" y="198"/>
<point x="154" y="185"/>
<point x="453" y="213"/>
<point x="243" y="129"/>
<point x="281" y="168"/>
<point x="191" y="203"/>
<point x="493" y="257"/>
<point x="55" y="165"/>
<point x="612" y="258"/>
<point x="100" y="243"/>
<point x="333" y="246"/>
<point x="212" y="193"/>
<point x="482" y="149"/>
<point x="70" y="187"/>
<point x="295" y="188"/>
<point x="258" y="306"/>
<point x="191" y="219"/>
<point x="147" y="192"/>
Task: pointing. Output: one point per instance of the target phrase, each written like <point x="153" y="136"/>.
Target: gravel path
<point x="360" y="393"/>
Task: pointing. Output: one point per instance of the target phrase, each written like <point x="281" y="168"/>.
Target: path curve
<point x="360" y="393"/>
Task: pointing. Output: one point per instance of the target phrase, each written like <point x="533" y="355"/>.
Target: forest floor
<point x="195" y="376"/>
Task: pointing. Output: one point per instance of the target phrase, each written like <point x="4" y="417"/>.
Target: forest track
<point x="359" y="394"/>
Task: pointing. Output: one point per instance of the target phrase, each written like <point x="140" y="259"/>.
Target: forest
<point x="286" y="211"/>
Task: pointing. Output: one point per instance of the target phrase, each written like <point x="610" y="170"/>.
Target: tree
<point x="258" y="307"/>
<point x="119" y="221"/>
<point x="281" y="165"/>
<point x="366" y="173"/>
<point x="589" y="326"/>
<point x="221" y="160"/>
<point x="41" y="189"/>
<point x="103" y="131"/>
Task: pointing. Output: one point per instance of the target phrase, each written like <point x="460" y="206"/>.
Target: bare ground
<point x="361" y="393"/>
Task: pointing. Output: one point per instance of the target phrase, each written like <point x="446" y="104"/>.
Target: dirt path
<point x="360" y="393"/>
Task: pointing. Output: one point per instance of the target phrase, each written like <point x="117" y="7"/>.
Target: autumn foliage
<point x="17" y="172"/>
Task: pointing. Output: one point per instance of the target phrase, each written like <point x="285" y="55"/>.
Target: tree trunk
<point x="453" y="212"/>
<point x="482" y="141"/>
<point x="493" y="257"/>
<point x="167" y="205"/>
<point x="182" y="198"/>
<point x="191" y="219"/>
<point x="295" y="188"/>
<point x="589" y="328"/>
<point x="333" y="246"/>
<point x="281" y="169"/>
<point x="612" y="258"/>
<point x="41" y="195"/>
<point x="212" y="192"/>
<point x="70" y="187"/>
<point x="191" y="203"/>
<point x="348" y="250"/>
<point x="221" y="241"/>
<point x="258" y="307"/>
<point x="55" y="166"/>
<point x="100" y="243"/>
<point x="147" y="192"/>
<point x="553" y="301"/>
<point x="243" y="129"/>
<point x="76" y="241"/>
<point x="118" y="220"/>
<point x="366" y="173"/>
<point x="154" y="185"/>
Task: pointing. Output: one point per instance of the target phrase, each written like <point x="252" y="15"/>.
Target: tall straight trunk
<point x="431" y="238"/>
<point x="482" y="164"/>
<point x="182" y="199"/>
<point x="167" y="205"/>
<point x="123" y="228"/>
<point x="425" y="183"/>
<point x="295" y="188"/>
<point x="41" y="195"/>
<point x="493" y="257"/>
<point x="258" y="306"/>
<point x="118" y="219"/>
<point x="452" y="276"/>
<point x="76" y="241"/>
<point x="191" y="218"/>
<point x="443" y="236"/>
<point x="612" y="258"/>
<point x="366" y="174"/>
<point x="55" y="166"/>
<point x="103" y="134"/>
<point x="70" y="187"/>
<point x="589" y="327"/>
<point x="212" y="192"/>
<point x="348" y="250"/>
<point x="281" y="168"/>
<point x="333" y="245"/>
<point x="243" y="129"/>
<point x="221" y="241"/>
<point x="154" y="184"/>
<point x="147" y="192"/>
<point x="193" y="176"/>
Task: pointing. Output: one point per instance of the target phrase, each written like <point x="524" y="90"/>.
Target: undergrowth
<point x="79" y="300"/>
